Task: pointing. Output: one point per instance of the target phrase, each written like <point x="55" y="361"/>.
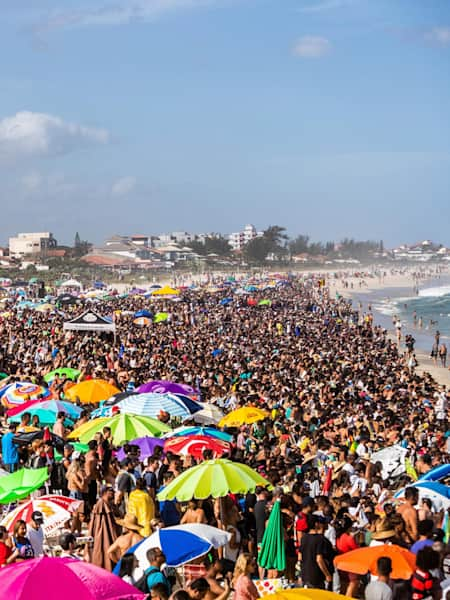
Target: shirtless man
<point x="409" y="513"/>
<point x="194" y="514"/>
<point x="129" y="537"/>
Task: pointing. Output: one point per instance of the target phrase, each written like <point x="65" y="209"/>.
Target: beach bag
<point x="141" y="583"/>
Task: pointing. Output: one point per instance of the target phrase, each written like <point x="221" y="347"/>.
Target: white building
<point x="238" y="240"/>
<point x="26" y="244"/>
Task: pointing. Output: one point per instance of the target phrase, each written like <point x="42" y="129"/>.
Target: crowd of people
<point x="337" y="390"/>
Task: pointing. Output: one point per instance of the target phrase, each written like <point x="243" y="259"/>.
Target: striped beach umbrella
<point x="151" y="405"/>
<point x="22" y="391"/>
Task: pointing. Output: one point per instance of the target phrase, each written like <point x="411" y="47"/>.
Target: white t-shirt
<point x="36" y="537"/>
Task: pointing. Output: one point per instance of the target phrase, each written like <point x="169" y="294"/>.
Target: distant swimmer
<point x="420" y="322"/>
<point x="414" y="318"/>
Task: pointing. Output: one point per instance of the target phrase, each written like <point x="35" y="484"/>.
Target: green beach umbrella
<point x="21" y="484"/>
<point x="3" y="376"/>
<point x="265" y="302"/>
<point x="72" y="374"/>
<point x="160" y="317"/>
<point x="272" y="554"/>
<point x="123" y="428"/>
<point x="216" y="478"/>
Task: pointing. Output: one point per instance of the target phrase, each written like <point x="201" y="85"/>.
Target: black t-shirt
<point x="124" y="482"/>
<point x="311" y="546"/>
<point x="259" y="511"/>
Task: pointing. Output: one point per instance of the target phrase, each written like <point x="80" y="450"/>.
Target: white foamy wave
<point x="386" y="309"/>
<point x="435" y="292"/>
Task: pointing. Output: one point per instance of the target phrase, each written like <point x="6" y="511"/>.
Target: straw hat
<point x="129" y="522"/>
<point x="383" y="530"/>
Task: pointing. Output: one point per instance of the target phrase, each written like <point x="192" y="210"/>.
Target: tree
<point x="275" y="235"/>
<point x="257" y="249"/>
<point x="299" y="245"/>
<point x="211" y="245"/>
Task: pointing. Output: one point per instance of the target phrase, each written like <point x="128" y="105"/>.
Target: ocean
<point x="431" y="307"/>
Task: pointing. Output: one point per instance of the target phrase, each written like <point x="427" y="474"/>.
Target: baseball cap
<point x="106" y="488"/>
<point x="37" y="517"/>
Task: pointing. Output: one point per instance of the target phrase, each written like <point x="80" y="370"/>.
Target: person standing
<point x="244" y="588"/>
<point x="59" y="428"/>
<point x="379" y="589"/>
<point x="409" y="513"/>
<point x="103" y="528"/>
<point x="315" y="571"/>
<point x="9" y="449"/>
<point x="142" y="506"/>
<point x="35" y="533"/>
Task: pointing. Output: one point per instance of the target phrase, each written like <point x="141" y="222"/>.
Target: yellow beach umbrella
<point x="166" y="290"/>
<point x="44" y="307"/>
<point x="91" y="391"/>
<point x="243" y="416"/>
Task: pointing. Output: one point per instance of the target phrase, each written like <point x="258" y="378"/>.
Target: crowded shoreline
<point x="334" y="421"/>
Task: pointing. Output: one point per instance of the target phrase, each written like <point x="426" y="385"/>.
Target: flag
<point x="327" y="483"/>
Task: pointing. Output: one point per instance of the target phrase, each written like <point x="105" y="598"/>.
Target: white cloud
<point x="439" y="36"/>
<point x="123" y="186"/>
<point x="32" y="181"/>
<point x="311" y="46"/>
<point x="121" y="12"/>
<point x="29" y="134"/>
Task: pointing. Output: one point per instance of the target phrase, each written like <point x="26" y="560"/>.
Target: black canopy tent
<point x="90" y="321"/>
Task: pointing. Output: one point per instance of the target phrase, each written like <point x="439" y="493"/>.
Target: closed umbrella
<point x="49" y="578"/>
<point x="216" y="478"/>
<point x="272" y="554"/>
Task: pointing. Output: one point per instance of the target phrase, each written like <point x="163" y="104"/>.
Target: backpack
<point x="141" y="583"/>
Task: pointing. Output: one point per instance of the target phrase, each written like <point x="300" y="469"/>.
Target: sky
<point x="328" y="117"/>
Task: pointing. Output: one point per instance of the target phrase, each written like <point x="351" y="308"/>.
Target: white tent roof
<point x="71" y="283"/>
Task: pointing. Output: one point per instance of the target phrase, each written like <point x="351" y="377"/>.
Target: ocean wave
<point x="435" y="292"/>
<point x="386" y="308"/>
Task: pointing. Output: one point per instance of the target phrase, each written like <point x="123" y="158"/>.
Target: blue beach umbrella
<point x="180" y="544"/>
<point x="436" y="474"/>
<point x="193" y="430"/>
<point x="143" y="313"/>
<point x="225" y="301"/>
<point x="151" y="405"/>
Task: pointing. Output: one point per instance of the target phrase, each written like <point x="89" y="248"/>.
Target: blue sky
<point x="330" y="117"/>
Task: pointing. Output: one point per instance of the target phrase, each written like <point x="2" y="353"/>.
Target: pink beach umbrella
<point x="63" y="578"/>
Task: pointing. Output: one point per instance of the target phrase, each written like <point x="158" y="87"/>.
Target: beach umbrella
<point x="142" y="322"/>
<point x="272" y="554"/>
<point x="66" y="299"/>
<point x="216" y="478"/>
<point x="195" y="430"/>
<point x="56" y="510"/>
<point x="143" y="313"/>
<point x="265" y="302"/>
<point x="147" y="446"/>
<point x="20" y="484"/>
<point x="164" y="387"/>
<point x="436" y="474"/>
<point x="91" y="391"/>
<point x="77" y="446"/>
<point x="166" y="290"/>
<point x="364" y="560"/>
<point x="51" y="578"/>
<point x="160" y="317"/>
<point x="194" y="445"/>
<point x="226" y="301"/>
<point x="66" y="372"/>
<point x="243" y="416"/>
<point x="210" y="414"/>
<point x="46" y="307"/>
<point x="299" y="594"/>
<point x="3" y="376"/>
<point x="438" y="493"/>
<point x="21" y="391"/>
<point x="181" y="543"/>
<point x="26" y="438"/>
<point x="48" y="410"/>
<point x="151" y="405"/>
<point x="123" y="428"/>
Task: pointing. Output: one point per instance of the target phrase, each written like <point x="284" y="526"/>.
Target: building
<point x="241" y="238"/>
<point x="26" y="244"/>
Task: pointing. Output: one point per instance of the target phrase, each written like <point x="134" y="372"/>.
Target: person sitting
<point x="67" y="542"/>
<point x="127" y="566"/>
<point x="21" y="543"/>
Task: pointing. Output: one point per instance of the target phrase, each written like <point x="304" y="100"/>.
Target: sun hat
<point x="129" y="522"/>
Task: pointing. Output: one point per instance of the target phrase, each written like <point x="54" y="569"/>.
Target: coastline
<point x="400" y="286"/>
